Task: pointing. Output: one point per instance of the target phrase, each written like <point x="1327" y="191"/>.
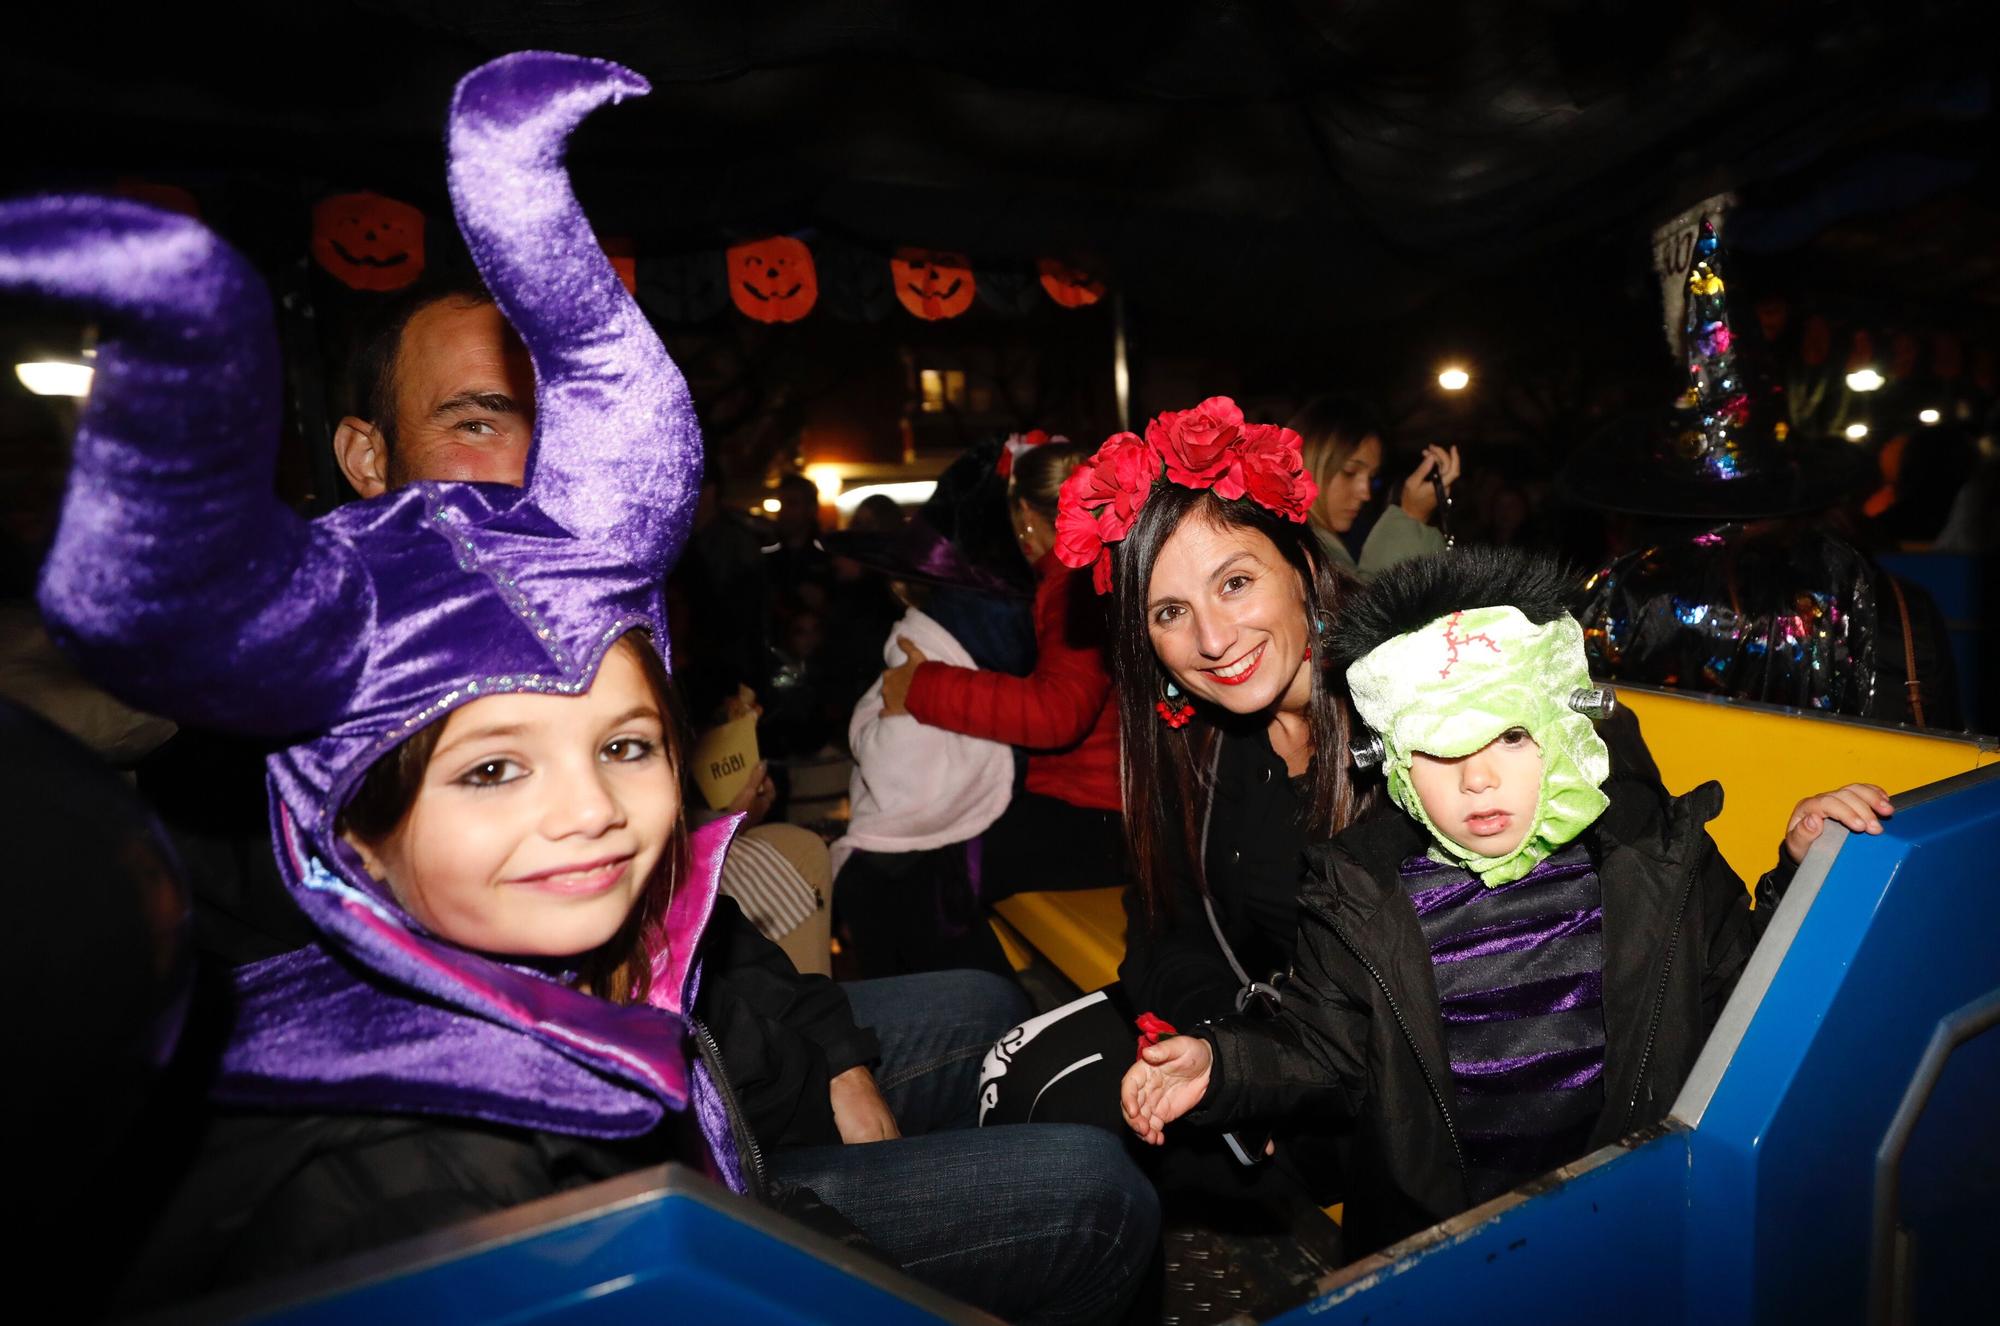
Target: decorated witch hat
<point x="1726" y="449"/>
<point x="960" y="538"/>
<point x="180" y="583"/>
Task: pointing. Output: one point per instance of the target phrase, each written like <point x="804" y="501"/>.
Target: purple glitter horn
<point x="617" y="446"/>
<point x="172" y="549"/>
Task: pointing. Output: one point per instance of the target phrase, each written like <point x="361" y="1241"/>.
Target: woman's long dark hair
<point x="621" y="969"/>
<point x="1165" y="772"/>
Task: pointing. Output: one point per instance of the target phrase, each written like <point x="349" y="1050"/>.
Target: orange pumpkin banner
<point x="367" y="241"/>
<point x="933" y="283"/>
<point x="1070" y="287"/>
<point x="772" y="279"/>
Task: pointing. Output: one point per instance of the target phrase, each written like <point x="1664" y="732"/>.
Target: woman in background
<point x="1343" y="452"/>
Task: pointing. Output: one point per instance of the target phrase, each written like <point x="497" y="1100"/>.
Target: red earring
<point x="1177" y="716"/>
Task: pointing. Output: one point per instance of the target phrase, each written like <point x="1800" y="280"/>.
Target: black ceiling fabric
<point x="1232" y="162"/>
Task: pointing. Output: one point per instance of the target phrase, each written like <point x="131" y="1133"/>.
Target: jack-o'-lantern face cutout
<point x="933" y="283"/>
<point x="369" y="242"/>
<point x="1071" y="287"/>
<point x="773" y="280"/>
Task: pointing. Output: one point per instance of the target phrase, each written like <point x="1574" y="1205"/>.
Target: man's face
<point x="465" y="398"/>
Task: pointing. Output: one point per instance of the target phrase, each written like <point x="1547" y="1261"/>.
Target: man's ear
<point x="363" y="456"/>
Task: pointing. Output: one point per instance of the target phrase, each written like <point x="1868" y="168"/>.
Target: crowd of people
<point x="1410" y="918"/>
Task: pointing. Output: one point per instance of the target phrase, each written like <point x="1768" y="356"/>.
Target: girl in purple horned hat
<point x="520" y="978"/>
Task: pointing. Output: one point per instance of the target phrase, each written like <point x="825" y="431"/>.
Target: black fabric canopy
<point x="1238" y="161"/>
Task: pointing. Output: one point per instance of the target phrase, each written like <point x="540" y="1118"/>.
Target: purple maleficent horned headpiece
<point x="180" y="582"/>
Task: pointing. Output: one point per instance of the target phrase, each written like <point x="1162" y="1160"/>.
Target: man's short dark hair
<point x="371" y="364"/>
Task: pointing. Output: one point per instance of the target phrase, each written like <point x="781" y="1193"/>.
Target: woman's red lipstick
<point x="1256" y="661"/>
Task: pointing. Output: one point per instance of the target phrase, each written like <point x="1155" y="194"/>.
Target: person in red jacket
<point x="1062" y="713"/>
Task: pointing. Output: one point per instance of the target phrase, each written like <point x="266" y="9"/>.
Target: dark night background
<point x="1286" y="198"/>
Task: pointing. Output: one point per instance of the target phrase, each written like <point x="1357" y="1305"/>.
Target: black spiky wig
<point x="1413" y="594"/>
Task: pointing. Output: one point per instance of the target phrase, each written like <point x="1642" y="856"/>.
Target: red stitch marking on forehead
<point x="1453" y="640"/>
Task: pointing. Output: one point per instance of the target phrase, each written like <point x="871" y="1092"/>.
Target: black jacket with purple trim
<point x="1361" y="1041"/>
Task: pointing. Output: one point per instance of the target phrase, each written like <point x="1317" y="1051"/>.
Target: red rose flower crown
<point x="1208" y="447"/>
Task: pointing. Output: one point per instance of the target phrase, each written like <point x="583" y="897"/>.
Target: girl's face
<point x="1227" y="617"/>
<point x="540" y="818"/>
<point x="1485" y="802"/>
<point x="1342" y="497"/>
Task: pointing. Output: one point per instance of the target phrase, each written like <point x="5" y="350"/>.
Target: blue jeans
<point x="1037" y="1222"/>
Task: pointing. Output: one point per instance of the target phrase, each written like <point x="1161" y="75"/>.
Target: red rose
<point x="1078" y="540"/>
<point x="1114" y="484"/>
<point x="1194" y="443"/>
<point x="1268" y="468"/>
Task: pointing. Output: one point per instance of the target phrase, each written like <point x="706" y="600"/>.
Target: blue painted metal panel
<point x="675" y="1254"/>
<point x="1762" y="1213"/>
<point x="1949" y="1196"/>
<point x="1900" y="935"/>
<point x="1609" y="1235"/>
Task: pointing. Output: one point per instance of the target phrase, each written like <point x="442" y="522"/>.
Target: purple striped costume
<point x="1520" y="982"/>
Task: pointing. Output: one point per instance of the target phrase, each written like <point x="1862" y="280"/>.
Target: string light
<point x="772" y="506"/>
<point x="1453" y="378"/>
<point x="1865" y="379"/>
<point x="1928" y="416"/>
<point x="1855" y="432"/>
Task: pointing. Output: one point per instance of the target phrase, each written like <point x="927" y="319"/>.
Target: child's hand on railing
<point x="1166" y="1081"/>
<point x="1860" y="806"/>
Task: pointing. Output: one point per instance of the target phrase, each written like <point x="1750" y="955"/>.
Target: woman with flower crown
<point x="1234" y="735"/>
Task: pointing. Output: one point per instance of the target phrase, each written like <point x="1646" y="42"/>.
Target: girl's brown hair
<point x="621" y="969"/>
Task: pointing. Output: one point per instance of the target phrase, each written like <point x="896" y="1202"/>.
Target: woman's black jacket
<point x="1361" y="1039"/>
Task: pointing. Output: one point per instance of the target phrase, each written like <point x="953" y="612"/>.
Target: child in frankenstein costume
<point x="1508" y="968"/>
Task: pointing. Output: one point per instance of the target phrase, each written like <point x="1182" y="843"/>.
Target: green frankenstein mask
<point x="1453" y="686"/>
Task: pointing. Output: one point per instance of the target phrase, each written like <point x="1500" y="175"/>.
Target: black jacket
<point x="1361" y="1039"/>
<point x="1256" y="837"/>
<point x="784" y="1035"/>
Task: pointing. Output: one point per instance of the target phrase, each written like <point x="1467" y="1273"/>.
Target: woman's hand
<point x="859" y="1111"/>
<point x="1860" y="806"/>
<point x="1165" y="1082"/>
<point x="754" y="801"/>
<point x="896" y="681"/>
<point x="1419" y="497"/>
